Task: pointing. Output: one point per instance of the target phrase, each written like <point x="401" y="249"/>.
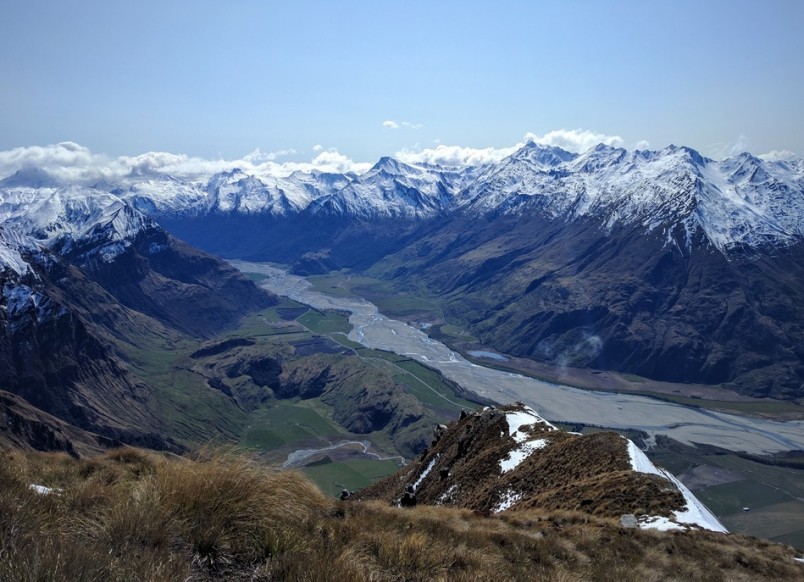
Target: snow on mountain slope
<point x="236" y="191"/>
<point x="63" y="218"/>
<point x="739" y="201"/>
<point x="156" y="195"/>
<point x="695" y="514"/>
<point x="393" y="189"/>
<point x="675" y="193"/>
<point x="12" y="245"/>
<point x="232" y="191"/>
<point x="746" y="201"/>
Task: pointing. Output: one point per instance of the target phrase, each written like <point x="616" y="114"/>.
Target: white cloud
<point x="446" y="155"/>
<point x="642" y="144"/>
<point x="722" y="150"/>
<point x="779" y="156"/>
<point x="391" y="124"/>
<point x="575" y="140"/>
<point x="75" y="163"/>
<point x="73" y="159"/>
<point x="334" y="161"/>
<point x="258" y="156"/>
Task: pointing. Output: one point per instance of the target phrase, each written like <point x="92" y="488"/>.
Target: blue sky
<point x="222" y="79"/>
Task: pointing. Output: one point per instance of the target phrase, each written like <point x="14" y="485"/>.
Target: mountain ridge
<point x="603" y="178"/>
<point x="511" y="459"/>
<point x="664" y="264"/>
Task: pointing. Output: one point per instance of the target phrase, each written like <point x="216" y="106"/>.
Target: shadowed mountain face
<point x="571" y="294"/>
<point x="67" y="299"/>
<point x="178" y="285"/>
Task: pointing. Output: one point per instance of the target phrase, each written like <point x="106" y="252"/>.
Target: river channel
<point x="553" y="401"/>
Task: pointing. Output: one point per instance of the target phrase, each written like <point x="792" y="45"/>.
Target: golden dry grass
<point x="136" y="515"/>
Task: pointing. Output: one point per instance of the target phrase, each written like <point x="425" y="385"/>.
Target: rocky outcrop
<point x="510" y="459"/>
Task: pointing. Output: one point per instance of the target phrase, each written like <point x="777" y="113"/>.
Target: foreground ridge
<point x="511" y="459"/>
<point x="131" y="514"/>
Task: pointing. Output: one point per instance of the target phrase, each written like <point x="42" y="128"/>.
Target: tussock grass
<point x="136" y="515"/>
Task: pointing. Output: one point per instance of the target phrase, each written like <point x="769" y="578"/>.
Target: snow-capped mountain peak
<point x="739" y="201"/>
<point x="674" y="192"/>
<point x="392" y="189"/>
<point x="31" y="177"/>
<point x="64" y="218"/>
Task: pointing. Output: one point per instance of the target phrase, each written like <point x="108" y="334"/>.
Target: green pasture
<point x="353" y="474"/>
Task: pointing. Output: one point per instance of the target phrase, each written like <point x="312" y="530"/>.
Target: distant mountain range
<point x="664" y="264"/>
<point x="741" y="201"/>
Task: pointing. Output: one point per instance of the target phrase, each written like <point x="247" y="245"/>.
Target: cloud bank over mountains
<point x="75" y="163"/>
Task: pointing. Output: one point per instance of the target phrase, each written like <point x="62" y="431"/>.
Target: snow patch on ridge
<point x="694" y="514"/>
<point x="426" y="472"/>
<point x="507" y="500"/>
<point x="518" y="418"/>
<point x="515" y="457"/>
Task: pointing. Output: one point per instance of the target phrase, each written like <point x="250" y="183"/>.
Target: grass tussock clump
<point x="135" y="515"/>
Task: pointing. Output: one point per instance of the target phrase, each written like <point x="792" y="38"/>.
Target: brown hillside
<point x="589" y="473"/>
<point x="135" y="515"/>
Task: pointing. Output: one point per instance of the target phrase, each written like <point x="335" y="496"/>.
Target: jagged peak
<point x="599" y="157"/>
<point x="692" y="155"/>
<point x="391" y="165"/>
<point x="543" y="154"/>
<point x="31" y="177"/>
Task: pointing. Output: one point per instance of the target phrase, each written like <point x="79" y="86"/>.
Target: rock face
<point x="509" y="459"/>
<point x="57" y="359"/>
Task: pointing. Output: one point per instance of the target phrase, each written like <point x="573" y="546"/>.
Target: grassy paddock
<point x="285" y="423"/>
<point x="326" y="322"/>
<point x="354" y="474"/>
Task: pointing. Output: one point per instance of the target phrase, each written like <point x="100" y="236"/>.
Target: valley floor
<point x="765" y="489"/>
<point x="558" y="402"/>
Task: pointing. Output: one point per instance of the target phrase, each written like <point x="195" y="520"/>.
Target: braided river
<point x="555" y="402"/>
